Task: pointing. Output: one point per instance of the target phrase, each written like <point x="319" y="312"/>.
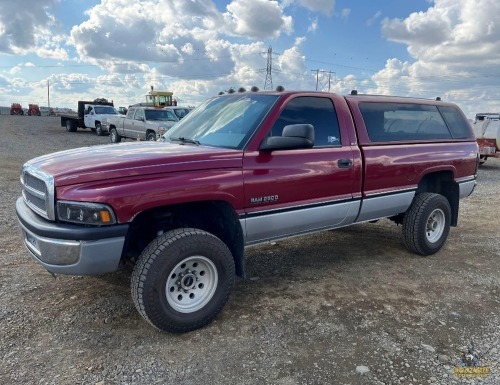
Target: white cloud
<point x="293" y="69"/>
<point x="374" y="18"/>
<point x="52" y="53"/>
<point x="455" y="46"/>
<point x="19" y="23"/>
<point x="394" y="79"/>
<point x="422" y="28"/>
<point x="450" y="31"/>
<point x="345" y="84"/>
<point x="190" y="32"/>
<point x="31" y="28"/>
<point x="14" y="70"/>
<point x="188" y="49"/>
<point x="313" y="26"/>
<point x="193" y="41"/>
<point x="256" y="19"/>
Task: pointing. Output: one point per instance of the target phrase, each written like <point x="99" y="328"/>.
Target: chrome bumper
<point x="71" y="249"/>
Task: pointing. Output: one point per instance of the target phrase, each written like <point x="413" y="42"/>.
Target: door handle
<point x="344" y="163"/>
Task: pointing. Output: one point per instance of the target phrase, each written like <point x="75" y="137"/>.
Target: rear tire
<point x="426" y="224"/>
<point x="182" y="280"/>
<point x="113" y="136"/>
<point x="70" y="126"/>
<point x="151" y="136"/>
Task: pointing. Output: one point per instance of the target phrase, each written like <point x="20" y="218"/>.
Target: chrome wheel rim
<point x="435" y="225"/>
<point x="191" y="284"/>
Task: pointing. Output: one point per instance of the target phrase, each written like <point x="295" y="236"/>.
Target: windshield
<point x="225" y="121"/>
<point x="105" y="110"/>
<point x="159" y="115"/>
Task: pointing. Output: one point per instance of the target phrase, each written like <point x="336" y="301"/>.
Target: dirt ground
<point x="349" y="306"/>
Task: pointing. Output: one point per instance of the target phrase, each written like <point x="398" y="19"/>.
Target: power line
<point x="450" y="76"/>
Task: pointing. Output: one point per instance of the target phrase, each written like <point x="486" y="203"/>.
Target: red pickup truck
<point x="243" y="169"/>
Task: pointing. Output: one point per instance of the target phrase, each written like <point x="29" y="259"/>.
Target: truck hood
<point x="106" y="162"/>
<point x="156" y="124"/>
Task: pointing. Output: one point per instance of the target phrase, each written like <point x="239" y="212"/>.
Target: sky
<point x="70" y="50"/>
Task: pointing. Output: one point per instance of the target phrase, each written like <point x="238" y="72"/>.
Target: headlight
<point x="85" y="213"/>
<point x="160" y="131"/>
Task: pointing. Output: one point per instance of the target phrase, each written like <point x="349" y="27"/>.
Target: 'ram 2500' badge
<point x="266" y="199"/>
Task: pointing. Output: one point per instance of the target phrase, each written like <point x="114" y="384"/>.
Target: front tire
<point x="113" y="136"/>
<point x="182" y="280"/>
<point x="426" y="224"/>
<point x="98" y="129"/>
<point x="151" y="136"/>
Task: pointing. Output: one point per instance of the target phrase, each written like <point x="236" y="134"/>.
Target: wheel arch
<point x="216" y="217"/>
<point x="442" y="182"/>
<point x="150" y="131"/>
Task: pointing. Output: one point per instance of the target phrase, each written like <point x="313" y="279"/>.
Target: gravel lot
<point x="350" y="306"/>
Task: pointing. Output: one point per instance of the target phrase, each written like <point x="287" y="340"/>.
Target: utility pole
<point x="317" y="77"/>
<point x="48" y="97"/>
<point x="325" y="86"/>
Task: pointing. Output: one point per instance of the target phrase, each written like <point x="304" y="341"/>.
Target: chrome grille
<point x="33" y="200"/>
<point x="38" y="191"/>
<point x="35" y="183"/>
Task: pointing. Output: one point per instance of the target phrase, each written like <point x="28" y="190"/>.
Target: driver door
<point x="88" y="117"/>
<point x="289" y="192"/>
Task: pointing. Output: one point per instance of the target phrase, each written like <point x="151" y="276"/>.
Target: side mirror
<point x="295" y="136"/>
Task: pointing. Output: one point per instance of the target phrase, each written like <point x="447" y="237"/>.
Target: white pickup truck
<point x="141" y="123"/>
<point x="93" y="115"/>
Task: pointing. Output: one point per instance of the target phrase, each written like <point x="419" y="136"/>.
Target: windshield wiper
<point x="184" y="140"/>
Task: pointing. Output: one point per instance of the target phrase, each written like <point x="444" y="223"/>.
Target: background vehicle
<point x="141" y="123"/>
<point x="34" y="110"/>
<point x="179" y="111"/>
<point x="16" y="109"/>
<point x="486" y="127"/>
<point x="240" y="170"/>
<point x="93" y="115"/>
<point x="122" y="110"/>
<point x="158" y="99"/>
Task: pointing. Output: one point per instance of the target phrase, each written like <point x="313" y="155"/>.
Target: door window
<point x="139" y="114"/>
<point x="317" y="111"/>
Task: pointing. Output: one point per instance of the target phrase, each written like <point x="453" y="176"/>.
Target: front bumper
<point x="71" y="249"/>
<point x="105" y="126"/>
